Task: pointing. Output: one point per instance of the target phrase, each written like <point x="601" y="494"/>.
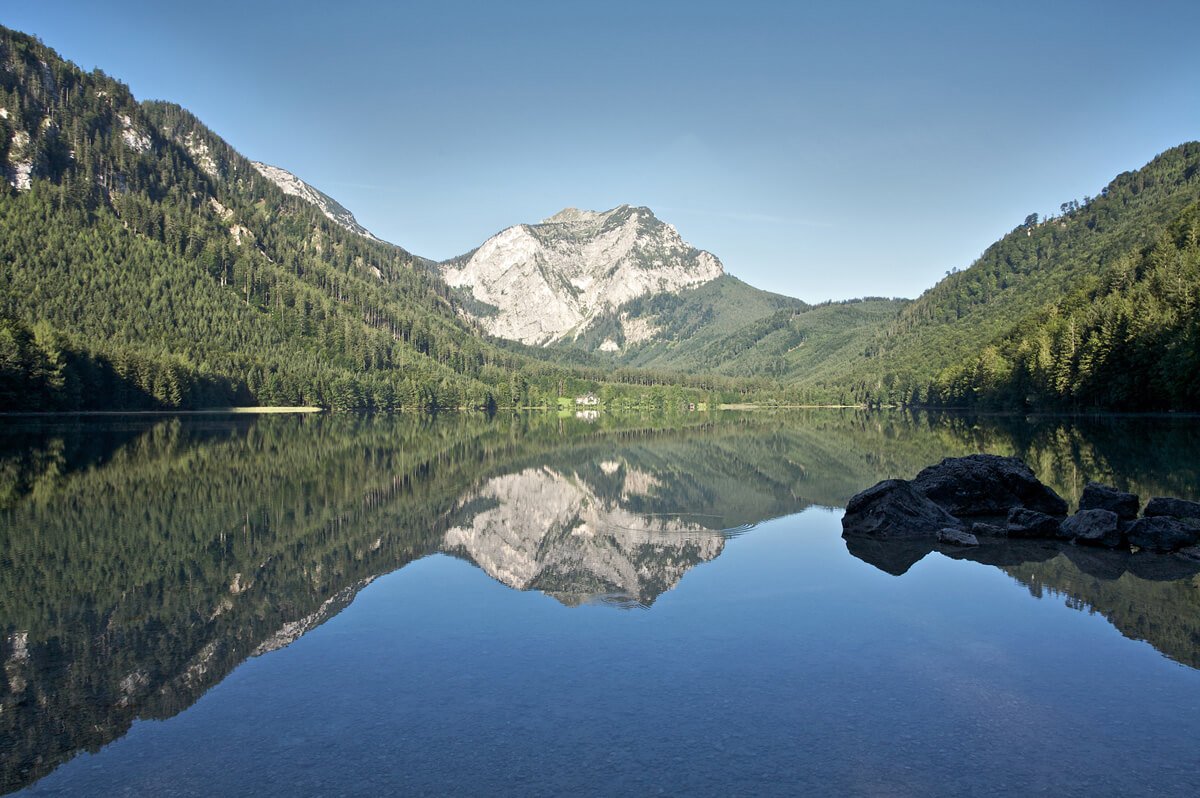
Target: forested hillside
<point x="1037" y="265"/>
<point x="146" y="264"/>
<point x="682" y="320"/>
<point x="1128" y="338"/>
<point x="797" y="344"/>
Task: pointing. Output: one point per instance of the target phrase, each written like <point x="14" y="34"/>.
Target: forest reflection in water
<point x="144" y="559"/>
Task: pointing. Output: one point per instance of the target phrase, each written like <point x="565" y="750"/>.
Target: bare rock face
<point x="987" y="484"/>
<point x="546" y="282"/>
<point x="894" y="510"/>
<point x="294" y="186"/>
<point x="1102" y="497"/>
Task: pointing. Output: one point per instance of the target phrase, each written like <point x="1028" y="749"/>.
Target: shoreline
<point x="211" y="411"/>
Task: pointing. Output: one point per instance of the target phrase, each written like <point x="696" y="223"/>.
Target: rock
<point x="952" y="536"/>
<point x="1024" y="523"/>
<point x="986" y="530"/>
<point x="986" y="484"/>
<point x="1093" y="528"/>
<point x="893" y="510"/>
<point x="1162" y="533"/>
<point x="1176" y="508"/>
<point x="1102" y="497"/>
<point x="1190" y="553"/>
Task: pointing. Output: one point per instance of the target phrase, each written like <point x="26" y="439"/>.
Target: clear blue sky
<point x="821" y="150"/>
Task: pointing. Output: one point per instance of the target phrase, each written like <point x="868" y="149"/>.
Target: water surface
<point x="533" y="605"/>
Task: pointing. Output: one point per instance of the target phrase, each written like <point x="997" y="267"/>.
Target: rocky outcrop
<point x="934" y="505"/>
<point x="540" y="283"/>
<point x="987" y="484"/>
<point x="895" y="510"/>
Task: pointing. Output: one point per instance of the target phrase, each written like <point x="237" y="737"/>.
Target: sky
<point x="824" y="151"/>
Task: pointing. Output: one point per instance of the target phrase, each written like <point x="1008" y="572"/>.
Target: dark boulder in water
<point x="954" y="536"/>
<point x="1102" y="497"/>
<point x="986" y="530"/>
<point x="1175" y="508"/>
<point x="1162" y="533"/>
<point x="1093" y="528"/>
<point x="1191" y="553"/>
<point x="1024" y="523"/>
<point x="893" y="510"/>
<point x="987" y="484"/>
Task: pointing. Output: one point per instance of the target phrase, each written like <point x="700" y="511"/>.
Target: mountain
<point x="146" y="264"/>
<point x="540" y="283"/>
<point x="1093" y="307"/>
<point x="293" y="186"/>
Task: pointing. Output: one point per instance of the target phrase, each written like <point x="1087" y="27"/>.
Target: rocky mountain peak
<point x="549" y="281"/>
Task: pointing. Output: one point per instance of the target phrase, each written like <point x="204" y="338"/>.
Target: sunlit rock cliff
<point x="540" y="283"/>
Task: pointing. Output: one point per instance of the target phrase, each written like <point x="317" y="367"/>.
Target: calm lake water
<point x="331" y="605"/>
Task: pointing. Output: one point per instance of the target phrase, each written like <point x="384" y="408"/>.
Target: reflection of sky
<point x="773" y="134"/>
<point x="782" y="665"/>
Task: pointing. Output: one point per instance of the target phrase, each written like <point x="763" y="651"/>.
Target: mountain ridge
<point x="292" y="185"/>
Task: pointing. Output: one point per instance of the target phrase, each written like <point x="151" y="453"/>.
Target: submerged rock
<point x="1093" y="527"/>
<point x="1162" y="533"/>
<point x="987" y="484"/>
<point x="893" y="510"/>
<point x="1025" y="523"/>
<point x="953" y="536"/>
<point x="1103" y="497"/>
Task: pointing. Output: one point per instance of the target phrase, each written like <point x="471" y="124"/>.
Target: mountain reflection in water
<point x="541" y="529"/>
<point x="142" y="561"/>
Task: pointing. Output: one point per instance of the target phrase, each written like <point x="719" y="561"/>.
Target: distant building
<point x="587" y="400"/>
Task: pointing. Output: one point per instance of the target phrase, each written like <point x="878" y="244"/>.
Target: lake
<point x="544" y="605"/>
